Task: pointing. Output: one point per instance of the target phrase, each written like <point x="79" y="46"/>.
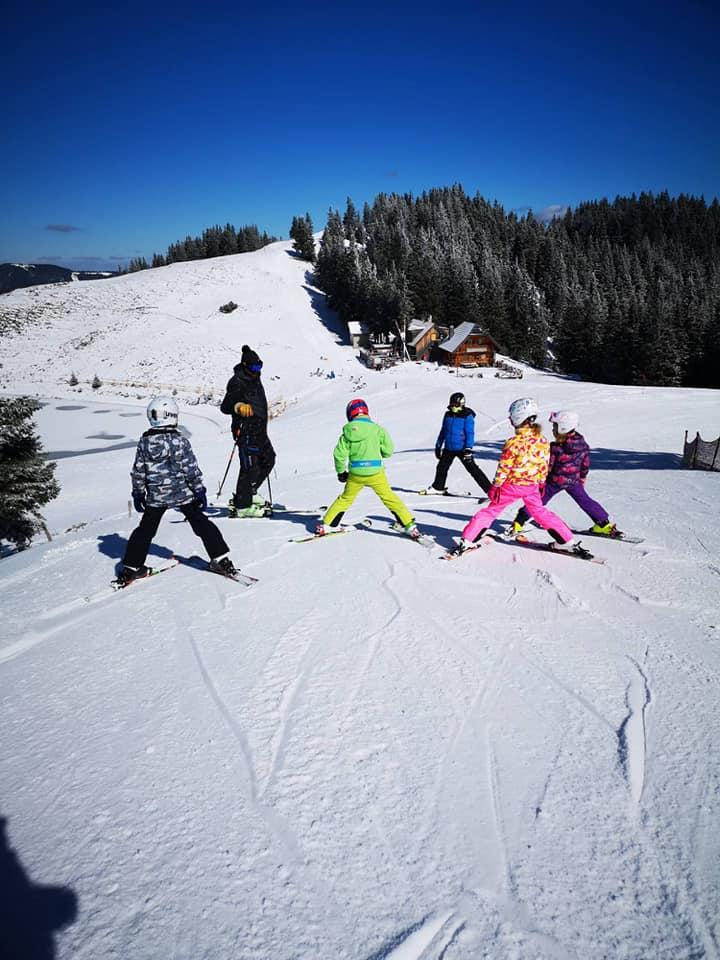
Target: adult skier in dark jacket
<point x="246" y="403"/>
<point x="455" y="441"/>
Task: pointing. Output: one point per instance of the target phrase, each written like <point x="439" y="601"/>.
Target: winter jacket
<point x="165" y="471"/>
<point x="244" y="388"/>
<point x="569" y="460"/>
<point x="524" y="458"/>
<point x="457" y="431"/>
<point x="362" y="447"/>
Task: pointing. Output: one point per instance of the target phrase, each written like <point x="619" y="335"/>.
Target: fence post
<point x="717" y="448"/>
<point x="697" y="442"/>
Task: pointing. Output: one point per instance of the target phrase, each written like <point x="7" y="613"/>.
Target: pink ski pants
<point x="529" y="493"/>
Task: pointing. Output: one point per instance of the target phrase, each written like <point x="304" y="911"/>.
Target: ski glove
<point x="138" y="500"/>
<point x="494" y="494"/>
<point x="438" y="453"/>
<point x="201" y="498"/>
<point x="243" y="409"/>
<point x="342" y="477"/>
<point x="467" y="454"/>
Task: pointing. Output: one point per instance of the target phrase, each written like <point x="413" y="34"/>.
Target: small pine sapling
<point x="26" y="477"/>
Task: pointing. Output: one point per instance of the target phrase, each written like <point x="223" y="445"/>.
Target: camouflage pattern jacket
<point x="165" y="471"/>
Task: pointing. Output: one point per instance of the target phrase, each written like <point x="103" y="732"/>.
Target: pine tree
<point x="26" y="478"/>
<point x="301" y="233"/>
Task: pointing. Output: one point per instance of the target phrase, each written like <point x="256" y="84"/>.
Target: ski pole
<point x="269" y="489"/>
<point x="227" y="468"/>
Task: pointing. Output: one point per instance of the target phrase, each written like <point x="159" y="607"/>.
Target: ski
<point x="522" y="541"/>
<point x="526" y="544"/>
<point x="427" y="492"/>
<point x="423" y="540"/>
<point x="198" y="563"/>
<point x="455" y="555"/>
<point x="332" y="532"/>
<point x="616" y="536"/>
<point x="152" y="572"/>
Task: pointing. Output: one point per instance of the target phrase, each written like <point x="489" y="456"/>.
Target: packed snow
<point x="369" y="753"/>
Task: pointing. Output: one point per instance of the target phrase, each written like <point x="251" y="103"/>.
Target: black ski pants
<point x="142" y="536"/>
<point x="256" y="462"/>
<point x="466" y="459"/>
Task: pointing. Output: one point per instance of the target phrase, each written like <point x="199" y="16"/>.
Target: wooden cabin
<point x="468" y="346"/>
<point x="421" y="337"/>
<point x="359" y="334"/>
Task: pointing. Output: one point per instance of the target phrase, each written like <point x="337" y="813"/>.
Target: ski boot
<point x="463" y="546"/>
<point x="517" y="528"/>
<point x="605" y="529"/>
<point x="258" y="501"/>
<point x="412" y="531"/>
<point x="128" y="574"/>
<point x="223" y="566"/>
<point x="254" y="510"/>
<point x="574" y="547"/>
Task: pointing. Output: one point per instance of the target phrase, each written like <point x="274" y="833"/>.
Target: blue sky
<point x="128" y="127"/>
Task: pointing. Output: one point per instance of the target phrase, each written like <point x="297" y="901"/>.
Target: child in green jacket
<point x="358" y="457"/>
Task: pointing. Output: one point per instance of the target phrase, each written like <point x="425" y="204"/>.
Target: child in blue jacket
<point x="455" y="441"/>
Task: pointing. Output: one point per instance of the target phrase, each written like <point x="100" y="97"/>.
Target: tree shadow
<point x="29" y="913"/>
<point x="329" y="319"/>
<point x="605" y="458"/>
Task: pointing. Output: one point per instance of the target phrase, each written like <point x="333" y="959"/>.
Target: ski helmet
<point x="356" y="408"/>
<point x="162" y="412"/>
<point x="457" y="400"/>
<point x="566" y="420"/>
<point x="521" y="410"/>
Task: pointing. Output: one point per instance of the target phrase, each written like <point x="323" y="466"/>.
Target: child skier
<point x="455" y="440"/>
<point x="166" y="474"/>
<point x="358" y="457"/>
<point x="520" y="473"/>
<point x="568" y="470"/>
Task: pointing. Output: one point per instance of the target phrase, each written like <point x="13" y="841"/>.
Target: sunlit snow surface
<point x="370" y="753"/>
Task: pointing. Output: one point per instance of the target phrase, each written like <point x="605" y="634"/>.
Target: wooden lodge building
<point x="422" y="337"/>
<point x="467" y="346"/>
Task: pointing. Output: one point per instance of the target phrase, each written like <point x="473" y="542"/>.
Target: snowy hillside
<point x="370" y="753"/>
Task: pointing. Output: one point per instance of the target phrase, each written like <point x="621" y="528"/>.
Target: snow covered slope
<point x="370" y="753"/>
<point x="162" y="329"/>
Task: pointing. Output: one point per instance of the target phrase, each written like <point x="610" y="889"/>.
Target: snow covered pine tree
<point x="26" y="477"/>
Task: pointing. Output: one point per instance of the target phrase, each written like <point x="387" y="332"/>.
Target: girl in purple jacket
<point x="568" y="470"/>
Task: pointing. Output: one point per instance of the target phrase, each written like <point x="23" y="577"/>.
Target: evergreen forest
<point x="620" y="292"/>
<point x="215" y="241"/>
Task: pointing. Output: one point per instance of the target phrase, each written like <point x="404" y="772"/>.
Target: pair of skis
<point x="423" y="541"/>
<point x="196" y="562"/>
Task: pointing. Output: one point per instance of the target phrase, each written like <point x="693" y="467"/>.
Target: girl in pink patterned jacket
<point x="520" y="475"/>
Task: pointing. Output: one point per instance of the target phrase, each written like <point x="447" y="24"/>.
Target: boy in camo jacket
<point x="165" y="474"/>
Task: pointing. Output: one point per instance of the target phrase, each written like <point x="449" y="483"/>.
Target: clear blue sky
<point x="128" y="126"/>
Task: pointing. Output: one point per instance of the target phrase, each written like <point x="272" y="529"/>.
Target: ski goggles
<point x="255" y="367"/>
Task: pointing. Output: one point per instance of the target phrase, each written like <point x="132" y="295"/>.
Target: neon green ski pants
<point x="377" y="482"/>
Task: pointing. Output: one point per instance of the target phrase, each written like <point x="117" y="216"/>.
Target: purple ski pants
<point x="529" y="493"/>
<point x="595" y="510"/>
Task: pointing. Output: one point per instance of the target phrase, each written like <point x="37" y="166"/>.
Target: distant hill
<point x="16" y="275"/>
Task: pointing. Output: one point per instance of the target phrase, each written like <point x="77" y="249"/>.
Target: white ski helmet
<point x="162" y="412"/>
<point x="521" y="410"/>
<point x="566" y="420"/>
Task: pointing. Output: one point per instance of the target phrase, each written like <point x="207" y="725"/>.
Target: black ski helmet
<point x="457" y="400"/>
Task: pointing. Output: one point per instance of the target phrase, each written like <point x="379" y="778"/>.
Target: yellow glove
<point x="243" y="409"/>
